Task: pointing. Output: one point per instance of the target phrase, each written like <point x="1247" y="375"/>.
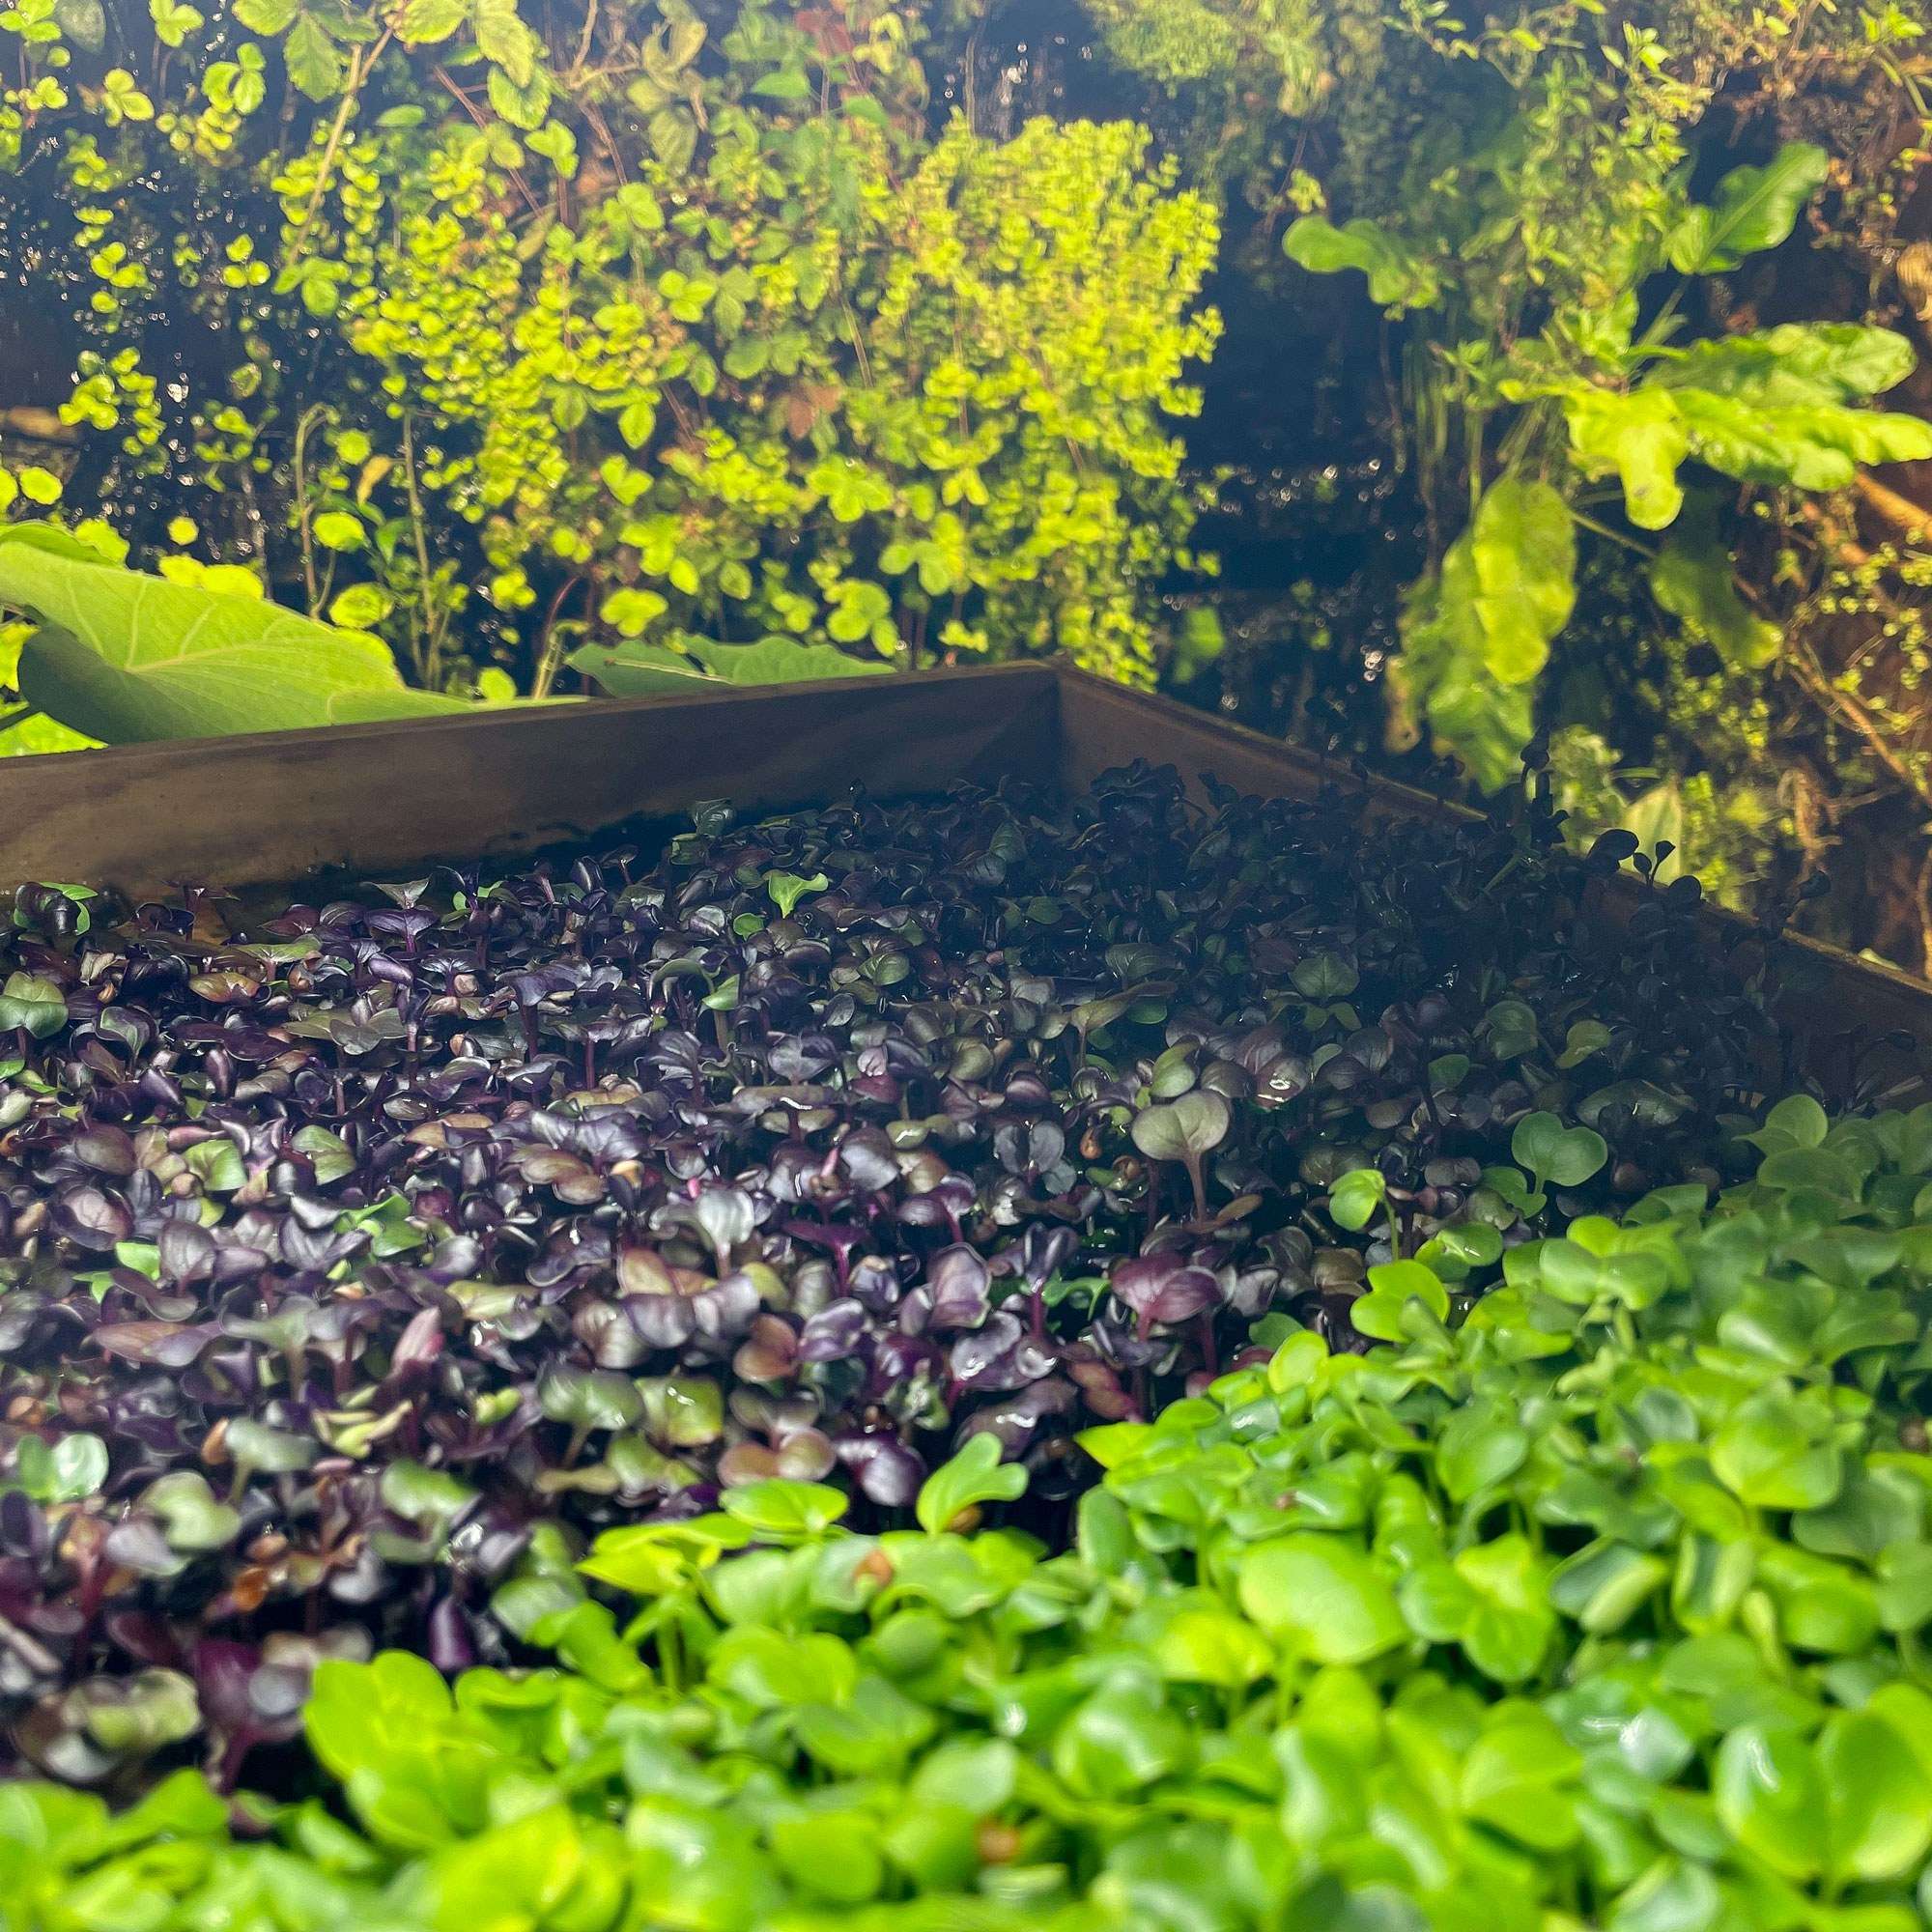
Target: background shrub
<point x="494" y="331"/>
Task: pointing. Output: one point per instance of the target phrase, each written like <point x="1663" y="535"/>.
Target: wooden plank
<point x="250" y="811"/>
<point x="1838" y="1006"/>
<point x="1102" y="724"/>
<point x="276" y="806"/>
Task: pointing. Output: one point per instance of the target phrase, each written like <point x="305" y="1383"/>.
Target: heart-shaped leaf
<point x="1357" y="1197"/>
<point x="1391" y="1288"/>
<point x="1183" y="1128"/>
<point x="1562" y="1157"/>
<point x="975" y="1475"/>
<point x="32" y="1000"/>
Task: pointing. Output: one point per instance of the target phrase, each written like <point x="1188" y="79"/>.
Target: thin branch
<point x="584" y="44"/>
<point x="1841" y="704"/>
<point x="360" y="65"/>
<point x="426" y="660"/>
<point x="1614" y="536"/>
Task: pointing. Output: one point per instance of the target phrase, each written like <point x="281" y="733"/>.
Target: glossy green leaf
<point x="1357" y="1197"/>
<point x="1771" y="1795"/>
<point x="975" y="1475"/>
<point x="1392" y="1285"/>
<point x="1321" y="1598"/>
<point x="127" y="658"/>
<point x="34" y="1002"/>
<point x="1562" y="1157"/>
<point x="1878" y="1789"/>
<point x="1692" y="577"/>
<point x="1639" y="436"/>
<point x="784" y="1509"/>
<point x="1523" y="550"/>
<point x="1754" y="208"/>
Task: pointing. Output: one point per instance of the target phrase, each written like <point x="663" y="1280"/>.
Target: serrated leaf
<point x="265" y="16"/>
<point x="503" y="38"/>
<point x="425" y="22"/>
<point x="313" y="60"/>
<point x="523" y="103"/>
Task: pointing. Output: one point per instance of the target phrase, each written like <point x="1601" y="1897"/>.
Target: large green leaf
<point x="636" y="669"/>
<point x="1441" y="674"/>
<point x="1771" y="1797"/>
<point x="1398" y="276"/>
<point x="312" y="58"/>
<point x="127" y="658"/>
<point x="1812" y="446"/>
<point x="1754" y="208"/>
<point x="1524" y="550"/>
<point x="780" y="661"/>
<point x="632" y="669"/>
<point x="1693" y="578"/>
<point x="1639" y="434"/>
<point x="1798" y="362"/>
<point x="1774" y="407"/>
<point x="1475" y="637"/>
<point x="1323" y="1597"/>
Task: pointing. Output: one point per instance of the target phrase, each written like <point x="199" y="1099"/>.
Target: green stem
<point x="428" y="659"/>
<point x="305" y="509"/>
<point x="1614" y="536"/>
<point x="360" y="66"/>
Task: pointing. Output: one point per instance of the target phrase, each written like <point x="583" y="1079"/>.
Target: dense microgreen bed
<point x="1599" y="1607"/>
<point x="359" y="1265"/>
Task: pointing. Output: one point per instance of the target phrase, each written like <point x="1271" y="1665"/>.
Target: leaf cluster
<point x="1600" y="1606"/>
<point x="392" y="1242"/>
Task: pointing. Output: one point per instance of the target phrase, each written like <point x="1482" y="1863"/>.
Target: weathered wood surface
<point x="385" y="797"/>
<point x="388" y="798"/>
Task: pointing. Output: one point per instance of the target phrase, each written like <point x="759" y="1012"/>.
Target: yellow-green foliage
<point x="656" y="321"/>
